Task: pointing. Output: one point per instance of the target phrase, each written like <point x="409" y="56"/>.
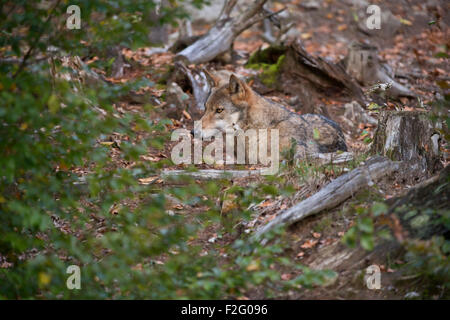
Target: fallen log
<point x="419" y="215"/>
<point x="319" y="72"/>
<point x="332" y="157"/>
<point x="291" y="69"/>
<point x="334" y="193"/>
<point x="220" y="37"/>
<point x="208" y="174"/>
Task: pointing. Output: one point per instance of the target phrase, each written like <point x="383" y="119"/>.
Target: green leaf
<point x="53" y="104"/>
<point x="365" y="225"/>
<point x="419" y="221"/>
<point x="367" y="242"/>
<point x="379" y="208"/>
<point x="350" y="238"/>
<point x="442" y="55"/>
<point x="316" y="134"/>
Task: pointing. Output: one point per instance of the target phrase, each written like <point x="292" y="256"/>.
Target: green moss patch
<point x="264" y="61"/>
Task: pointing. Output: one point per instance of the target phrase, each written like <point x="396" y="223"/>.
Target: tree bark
<point x="319" y="73"/>
<point x="208" y="174"/>
<point x="310" y="78"/>
<point x="199" y="83"/>
<point x="409" y="137"/>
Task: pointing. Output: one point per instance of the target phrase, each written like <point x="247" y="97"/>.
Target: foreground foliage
<point x="64" y="203"/>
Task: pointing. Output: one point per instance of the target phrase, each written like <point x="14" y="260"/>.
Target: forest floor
<point x="326" y="32"/>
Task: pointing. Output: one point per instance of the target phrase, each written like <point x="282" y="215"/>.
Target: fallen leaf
<point x="137" y="267"/>
<point x="253" y="266"/>
<point x="270" y="218"/>
<point x="148" y="180"/>
<point x="309" y="244"/>
<point x="405" y="22"/>
<point x="306" y="35"/>
<point x="266" y="203"/>
<point x="114" y="209"/>
<point x="187" y="115"/>
<point x="286" y="276"/>
<point x="150" y="158"/>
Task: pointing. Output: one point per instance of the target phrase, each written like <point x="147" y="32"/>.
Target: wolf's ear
<point x="212" y="80"/>
<point x="237" y="87"/>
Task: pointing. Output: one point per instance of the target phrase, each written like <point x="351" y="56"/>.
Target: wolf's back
<point x="326" y="134"/>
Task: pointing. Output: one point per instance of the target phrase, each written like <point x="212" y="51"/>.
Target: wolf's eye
<point x="219" y="110"/>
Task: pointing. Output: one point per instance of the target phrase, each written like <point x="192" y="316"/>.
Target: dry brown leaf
<point x="306" y="35"/>
<point x="266" y="203"/>
<point x="150" y="158"/>
<point x="286" y="276"/>
<point x="114" y="209"/>
<point x="187" y="115"/>
<point x="309" y="244"/>
<point x="253" y="266"/>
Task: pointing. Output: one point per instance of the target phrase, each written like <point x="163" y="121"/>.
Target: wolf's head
<point x="226" y="107"/>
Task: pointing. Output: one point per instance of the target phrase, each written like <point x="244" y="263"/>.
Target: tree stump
<point x="362" y="63"/>
<point x="410" y="137"/>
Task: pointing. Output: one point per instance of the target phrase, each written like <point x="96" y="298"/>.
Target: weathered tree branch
<point x="220" y="37"/>
<point x="199" y="82"/>
<point x="320" y="158"/>
<point x="209" y="174"/>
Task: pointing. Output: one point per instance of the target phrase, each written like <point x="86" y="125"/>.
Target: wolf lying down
<point x="236" y="106"/>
